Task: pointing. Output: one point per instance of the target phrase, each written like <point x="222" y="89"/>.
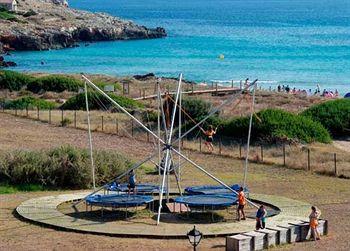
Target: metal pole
<point x="158" y="124"/>
<point x="180" y="125"/>
<point x="121" y="108"/>
<point x="248" y="140"/>
<point x="90" y="137"/>
<point x="166" y="167"/>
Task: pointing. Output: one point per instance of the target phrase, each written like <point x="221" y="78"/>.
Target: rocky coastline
<point x="44" y="25"/>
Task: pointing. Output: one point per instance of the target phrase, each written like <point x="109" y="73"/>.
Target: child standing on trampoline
<point x="132" y="182"/>
<point x="241" y="204"/>
<point x="209" y="137"/>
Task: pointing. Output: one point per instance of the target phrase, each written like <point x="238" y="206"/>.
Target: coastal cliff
<point x="43" y="25"/>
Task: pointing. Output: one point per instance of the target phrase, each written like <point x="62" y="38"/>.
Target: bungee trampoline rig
<point x="168" y="147"/>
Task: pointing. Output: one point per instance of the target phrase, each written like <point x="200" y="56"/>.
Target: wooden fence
<point x="291" y="156"/>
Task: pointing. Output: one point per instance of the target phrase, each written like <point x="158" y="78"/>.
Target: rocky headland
<point x="43" y="25"/>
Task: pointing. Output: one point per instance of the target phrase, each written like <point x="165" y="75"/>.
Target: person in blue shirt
<point x="260" y="218"/>
<point x="132" y="182"/>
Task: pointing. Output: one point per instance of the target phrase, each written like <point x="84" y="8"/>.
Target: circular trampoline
<point x="140" y="188"/>
<point x="213" y="190"/>
<point x="206" y="201"/>
<point x="118" y="200"/>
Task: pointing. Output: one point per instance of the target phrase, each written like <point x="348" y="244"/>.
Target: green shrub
<point x="54" y="83"/>
<point x="98" y="101"/>
<point x="196" y="108"/>
<point x="29" y="102"/>
<point x="333" y="115"/>
<point x="30" y="13"/>
<point x="14" y="81"/>
<point x="63" y="167"/>
<point x="6" y="15"/>
<point x="275" y="125"/>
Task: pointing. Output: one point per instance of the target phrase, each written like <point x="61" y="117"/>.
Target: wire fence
<point x="307" y="158"/>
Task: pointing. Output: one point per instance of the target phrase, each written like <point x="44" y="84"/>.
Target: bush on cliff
<point x="54" y="83"/>
<point x="99" y="102"/>
<point x="30" y="103"/>
<point x="333" y="115"/>
<point x="275" y="125"/>
<point x="63" y="167"/>
<point x="14" y="81"/>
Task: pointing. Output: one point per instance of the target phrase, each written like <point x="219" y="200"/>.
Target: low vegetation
<point x="274" y="125"/>
<point x="30" y="103"/>
<point x="55" y="83"/>
<point x="7" y="15"/>
<point x="14" y="81"/>
<point x="99" y="102"/>
<point x="64" y="167"/>
<point x="333" y="115"/>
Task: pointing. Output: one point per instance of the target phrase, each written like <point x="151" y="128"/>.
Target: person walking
<point x="241" y="204"/>
<point x="314" y="216"/>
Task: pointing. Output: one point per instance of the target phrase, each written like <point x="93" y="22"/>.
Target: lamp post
<point x="194" y="237"/>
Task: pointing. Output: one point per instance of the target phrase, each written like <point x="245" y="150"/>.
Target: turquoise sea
<point x="297" y="42"/>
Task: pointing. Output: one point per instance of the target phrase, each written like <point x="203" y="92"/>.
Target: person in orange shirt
<point x="241" y="204"/>
<point x="315" y="214"/>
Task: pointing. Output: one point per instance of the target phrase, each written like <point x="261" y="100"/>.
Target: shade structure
<point x="213" y="190"/>
<point x="207" y="201"/>
<point x="118" y="200"/>
<point x="140" y="188"/>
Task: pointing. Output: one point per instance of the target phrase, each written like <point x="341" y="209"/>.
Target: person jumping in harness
<point x="209" y="137"/>
<point x="132" y="182"/>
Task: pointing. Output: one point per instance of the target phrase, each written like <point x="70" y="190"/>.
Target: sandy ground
<point x="331" y="195"/>
<point x="343" y="144"/>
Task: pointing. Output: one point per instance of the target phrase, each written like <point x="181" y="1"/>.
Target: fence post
<point x="220" y="146"/>
<point x="102" y="122"/>
<point x="308" y="160"/>
<point x="200" y="144"/>
<point x="284" y="154"/>
<point x="75" y="119"/>
<point x="62" y="117"/>
<point x="49" y="116"/>
<point x="240" y="150"/>
<point x="116" y="126"/>
<point x="27" y="111"/>
<point x="262" y="152"/>
<point x="335" y="164"/>
<point x="132" y="128"/>
<point x="38" y="113"/>
<point x="147" y="136"/>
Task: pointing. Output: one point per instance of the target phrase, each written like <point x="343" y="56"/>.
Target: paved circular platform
<point x="43" y="210"/>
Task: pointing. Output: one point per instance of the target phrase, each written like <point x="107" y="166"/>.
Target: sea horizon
<point x="300" y="43"/>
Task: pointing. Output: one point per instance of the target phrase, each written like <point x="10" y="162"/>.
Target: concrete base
<point x="264" y="238"/>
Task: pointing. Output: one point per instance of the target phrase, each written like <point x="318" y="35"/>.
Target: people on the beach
<point x="241" y="204"/>
<point x="261" y="218"/>
<point x="326" y="93"/>
<point x="209" y="134"/>
<point x="132" y="182"/>
<point x="314" y="216"/>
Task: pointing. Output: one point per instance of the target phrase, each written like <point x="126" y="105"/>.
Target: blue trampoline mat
<point x="206" y="200"/>
<point x="212" y="190"/>
<point x="118" y="200"/>
<point x="140" y="188"/>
